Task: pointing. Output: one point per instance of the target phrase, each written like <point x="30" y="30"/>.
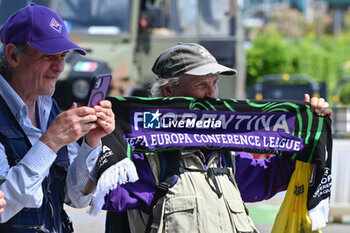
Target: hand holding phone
<point x="98" y="89"/>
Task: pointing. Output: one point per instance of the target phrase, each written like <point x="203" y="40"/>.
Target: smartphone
<point x="98" y="89"/>
<point x="2" y="179"/>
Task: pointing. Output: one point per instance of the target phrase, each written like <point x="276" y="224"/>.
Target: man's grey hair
<point x="5" y="68"/>
<point x="157" y="86"/>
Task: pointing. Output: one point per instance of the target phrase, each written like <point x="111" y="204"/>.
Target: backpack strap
<point x="169" y="174"/>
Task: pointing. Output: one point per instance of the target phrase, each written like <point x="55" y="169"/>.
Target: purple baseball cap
<point x="41" y="28"/>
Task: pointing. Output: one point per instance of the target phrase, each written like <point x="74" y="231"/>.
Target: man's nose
<point x="210" y="92"/>
<point x="58" y="64"/>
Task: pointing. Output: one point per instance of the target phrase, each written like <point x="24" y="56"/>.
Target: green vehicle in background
<point x="124" y="37"/>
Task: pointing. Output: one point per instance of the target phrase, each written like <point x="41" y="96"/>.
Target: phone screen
<point x="98" y="89"/>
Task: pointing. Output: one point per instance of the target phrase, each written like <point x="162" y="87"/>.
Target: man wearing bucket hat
<point x="43" y="165"/>
<point x="191" y="204"/>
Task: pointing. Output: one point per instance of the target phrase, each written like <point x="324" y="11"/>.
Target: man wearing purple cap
<point x="43" y="165"/>
<point x="197" y="202"/>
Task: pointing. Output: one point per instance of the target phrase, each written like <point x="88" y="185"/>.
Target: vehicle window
<point x="215" y="17"/>
<point x="96" y="16"/>
<point x="7" y="8"/>
<point x="195" y="17"/>
<point x="181" y="17"/>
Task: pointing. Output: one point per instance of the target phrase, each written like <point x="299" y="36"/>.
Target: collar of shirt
<point x="19" y="108"/>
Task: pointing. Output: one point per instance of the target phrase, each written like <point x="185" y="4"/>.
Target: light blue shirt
<point x="23" y="185"/>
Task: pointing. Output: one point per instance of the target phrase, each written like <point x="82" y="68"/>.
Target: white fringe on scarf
<point x="120" y="173"/>
<point x="319" y="214"/>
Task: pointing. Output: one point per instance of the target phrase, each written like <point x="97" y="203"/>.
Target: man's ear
<point x="11" y="55"/>
<point x="167" y="91"/>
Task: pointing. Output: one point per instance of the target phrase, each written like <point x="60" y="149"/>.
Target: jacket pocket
<point x="240" y="218"/>
<point x="180" y="214"/>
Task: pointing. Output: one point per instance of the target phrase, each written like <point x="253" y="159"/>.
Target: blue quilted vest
<point x="50" y="217"/>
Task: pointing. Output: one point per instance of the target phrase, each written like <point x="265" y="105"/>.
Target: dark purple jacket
<point x="256" y="179"/>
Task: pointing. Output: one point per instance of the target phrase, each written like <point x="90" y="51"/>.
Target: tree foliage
<point x="326" y="58"/>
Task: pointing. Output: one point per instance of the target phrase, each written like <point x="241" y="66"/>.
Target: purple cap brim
<point x="211" y="68"/>
<point x="56" y="45"/>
